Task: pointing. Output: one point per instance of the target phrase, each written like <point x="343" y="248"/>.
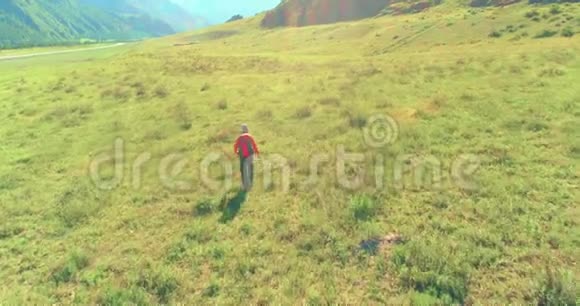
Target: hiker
<point x="246" y="147"/>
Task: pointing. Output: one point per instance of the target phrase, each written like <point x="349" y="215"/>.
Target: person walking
<point x="246" y="148"/>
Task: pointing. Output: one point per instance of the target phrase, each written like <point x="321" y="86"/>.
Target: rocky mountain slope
<point x="36" y="22"/>
<point x="301" y="13"/>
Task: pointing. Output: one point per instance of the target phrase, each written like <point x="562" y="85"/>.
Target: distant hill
<point x="310" y="12"/>
<point x="173" y="14"/>
<point x="39" y="22"/>
<point x="164" y="10"/>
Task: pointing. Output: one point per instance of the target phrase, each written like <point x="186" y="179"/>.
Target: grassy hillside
<point x="34" y="23"/>
<point x="165" y="10"/>
<point x="494" y="86"/>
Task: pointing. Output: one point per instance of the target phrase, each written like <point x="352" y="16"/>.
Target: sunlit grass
<point x="452" y="89"/>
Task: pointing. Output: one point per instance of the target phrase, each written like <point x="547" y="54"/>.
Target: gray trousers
<point x="247" y="171"/>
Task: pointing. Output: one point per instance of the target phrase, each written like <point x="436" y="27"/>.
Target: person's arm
<point x="255" y="146"/>
<point x="237" y="146"/>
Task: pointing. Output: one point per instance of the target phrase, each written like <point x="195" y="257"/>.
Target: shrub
<point x="67" y="271"/>
<point x="439" y="100"/>
<point x="495" y="34"/>
<point x="141" y="92"/>
<point x="70" y="89"/>
<point x="198" y="234"/>
<point x="358" y="120"/>
<point x="430" y="267"/>
<point x="567" y="32"/>
<point x="159" y="282"/>
<point x="545" y="34"/>
<point x="532" y="14"/>
<point x="220" y="137"/>
<point x="64" y="274"/>
<point x="121" y="93"/>
<point x="182" y="115"/>
<point x="235" y="17"/>
<point x="512" y="28"/>
<point x="552" y="72"/>
<point x="555" y="10"/>
<point x="222" y="105"/>
<point x="537" y="126"/>
<point x="212" y="290"/>
<point x="106" y="93"/>
<point x="304" y="112"/>
<point x="363" y="207"/>
<point x="205" y="87"/>
<point x="160" y="91"/>
<point x="329" y="101"/>
<point x="79" y="202"/>
<point x="264" y="114"/>
<point x="9" y="231"/>
<point x="70" y="115"/>
<point x="556" y="288"/>
<point x="204" y="207"/>
<point x="121" y="297"/>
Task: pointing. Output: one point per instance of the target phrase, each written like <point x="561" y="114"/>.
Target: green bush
<point x="431" y="268"/>
<point x="303" y="112"/>
<point x="159" y="282"/>
<point x="7" y="232"/>
<point x="212" y="290"/>
<point x="79" y="202"/>
<point x="67" y="271"/>
<point x="235" y="17"/>
<point x="567" y="32"/>
<point x="495" y="34"/>
<point x="182" y="114"/>
<point x="177" y="251"/>
<point x="532" y="14"/>
<point x="205" y="207"/>
<point x="555" y="10"/>
<point x="122" y="297"/>
<point x="198" y="234"/>
<point x="332" y="101"/>
<point x="64" y="274"/>
<point x="161" y="92"/>
<point x="557" y="288"/>
<point x="222" y="105"/>
<point x="546" y="33"/>
<point x="363" y="207"/>
<point x="205" y="87"/>
<point x="358" y="120"/>
<point x="121" y="93"/>
<point x="537" y="126"/>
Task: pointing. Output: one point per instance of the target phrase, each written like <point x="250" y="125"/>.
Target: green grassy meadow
<point x="492" y="83"/>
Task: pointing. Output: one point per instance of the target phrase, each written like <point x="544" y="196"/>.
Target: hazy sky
<point x="217" y="11"/>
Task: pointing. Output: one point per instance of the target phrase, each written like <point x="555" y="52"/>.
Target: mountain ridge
<point x="34" y="22"/>
<point x="296" y="13"/>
